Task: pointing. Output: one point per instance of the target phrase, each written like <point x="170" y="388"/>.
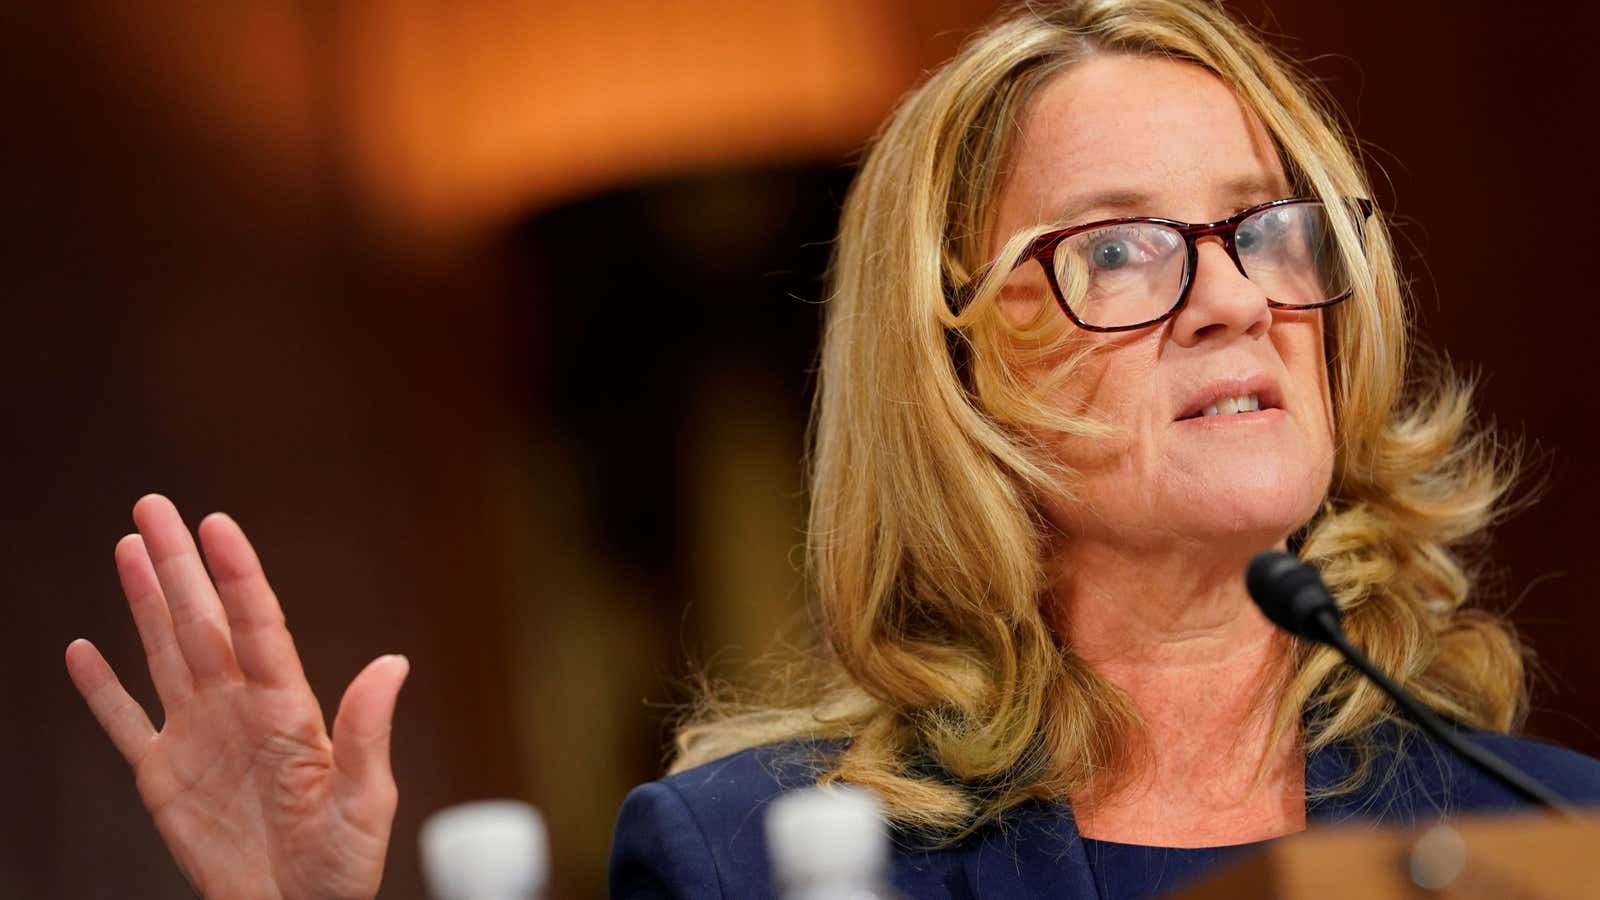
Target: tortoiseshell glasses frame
<point x="1043" y="249"/>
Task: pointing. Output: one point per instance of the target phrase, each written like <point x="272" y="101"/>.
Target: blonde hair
<point x="938" y="673"/>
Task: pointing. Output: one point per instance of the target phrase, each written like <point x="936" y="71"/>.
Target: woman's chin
<point x="1236" y="504"/>
<point x="1260" y="491"/>
<point x="1244" y="520"/>
<point x="1234" y="527"/>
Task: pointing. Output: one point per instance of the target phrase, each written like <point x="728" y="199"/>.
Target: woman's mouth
<point x="1249" y="397"/>
<point x="1228" y="406"/>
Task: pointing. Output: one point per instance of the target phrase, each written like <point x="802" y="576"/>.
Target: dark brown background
<point x="355" y="273"/>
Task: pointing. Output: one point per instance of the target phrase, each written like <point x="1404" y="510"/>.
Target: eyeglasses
<point x="1122" y="274"/>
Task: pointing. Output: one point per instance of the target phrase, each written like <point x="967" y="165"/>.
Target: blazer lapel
<point x="1032" y="852"/>
<point x="1408" y="781"/>
<point x="1035" y="851"/>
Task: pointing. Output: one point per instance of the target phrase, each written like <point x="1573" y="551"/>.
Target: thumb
<point x="361" y="731"/>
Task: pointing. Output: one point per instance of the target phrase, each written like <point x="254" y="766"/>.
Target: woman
<point x="1055" y="422"/>
<point x="1046" y="449"/>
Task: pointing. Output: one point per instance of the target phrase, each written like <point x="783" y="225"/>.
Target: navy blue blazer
<point x="698" y="835"/>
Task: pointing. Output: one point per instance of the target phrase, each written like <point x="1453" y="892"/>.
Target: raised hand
<point x="251" y="795"/>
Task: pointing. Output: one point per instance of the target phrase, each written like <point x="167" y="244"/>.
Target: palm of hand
<point x="221" y="786"/>
<point x="244" y="783"/>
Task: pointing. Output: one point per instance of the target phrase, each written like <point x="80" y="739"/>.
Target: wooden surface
<point x="1529" y="856"/>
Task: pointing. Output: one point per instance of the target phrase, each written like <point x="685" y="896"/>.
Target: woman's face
<point x="1131" y="136"/>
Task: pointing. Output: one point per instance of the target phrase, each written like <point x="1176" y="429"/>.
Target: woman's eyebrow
<point x="1247" y="190"/>
<point x="1118" y="200"/>
<point x="1240" y="190"/>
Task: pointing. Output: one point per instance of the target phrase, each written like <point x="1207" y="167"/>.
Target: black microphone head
<point x="1291" y="594"/>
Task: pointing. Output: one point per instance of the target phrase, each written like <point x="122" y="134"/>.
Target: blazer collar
<point x="1036" y="851"/>
<point x="1033" y="851"/>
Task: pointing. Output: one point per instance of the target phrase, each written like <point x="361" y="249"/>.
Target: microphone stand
<point x="1291" y="594"/>
<point x="1488" y="763"/>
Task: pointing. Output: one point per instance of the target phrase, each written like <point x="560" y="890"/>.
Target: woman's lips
<point x="1226" y="396"/>
<point x="1233" y="420"/>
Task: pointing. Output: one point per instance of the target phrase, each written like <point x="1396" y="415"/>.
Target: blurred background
<point x="493" y="323"/>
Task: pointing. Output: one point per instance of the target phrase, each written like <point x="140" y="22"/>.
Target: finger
<point x="122" y="719"/>
<point x="167" y="669"/>
<point x="197" y="616"/>
<point x="364" y="781"/>
<point x="261" y="642"/>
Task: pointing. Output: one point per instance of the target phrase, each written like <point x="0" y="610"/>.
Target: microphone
<point x="1292" y="595"/>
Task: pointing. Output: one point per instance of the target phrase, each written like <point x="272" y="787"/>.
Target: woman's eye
<point x="1110" y="254"/>
<point x="1124" y="250"/>
<point x="1255" y="234"/>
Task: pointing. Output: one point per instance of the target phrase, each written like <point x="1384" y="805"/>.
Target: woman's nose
<point x="1222" y="302"/>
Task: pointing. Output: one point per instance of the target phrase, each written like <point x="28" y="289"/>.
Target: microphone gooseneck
<point x="1291" y="594"/>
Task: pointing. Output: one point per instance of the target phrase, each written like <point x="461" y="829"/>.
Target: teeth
<point x="1230" y="405"/>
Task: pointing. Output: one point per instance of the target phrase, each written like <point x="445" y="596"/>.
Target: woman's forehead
<point x="1128" y="135"/>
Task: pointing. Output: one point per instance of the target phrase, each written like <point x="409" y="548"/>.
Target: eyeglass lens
<point x="1132" y="273"/>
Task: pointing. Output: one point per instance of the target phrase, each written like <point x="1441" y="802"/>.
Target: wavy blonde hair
<point x="937" y="671"/>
